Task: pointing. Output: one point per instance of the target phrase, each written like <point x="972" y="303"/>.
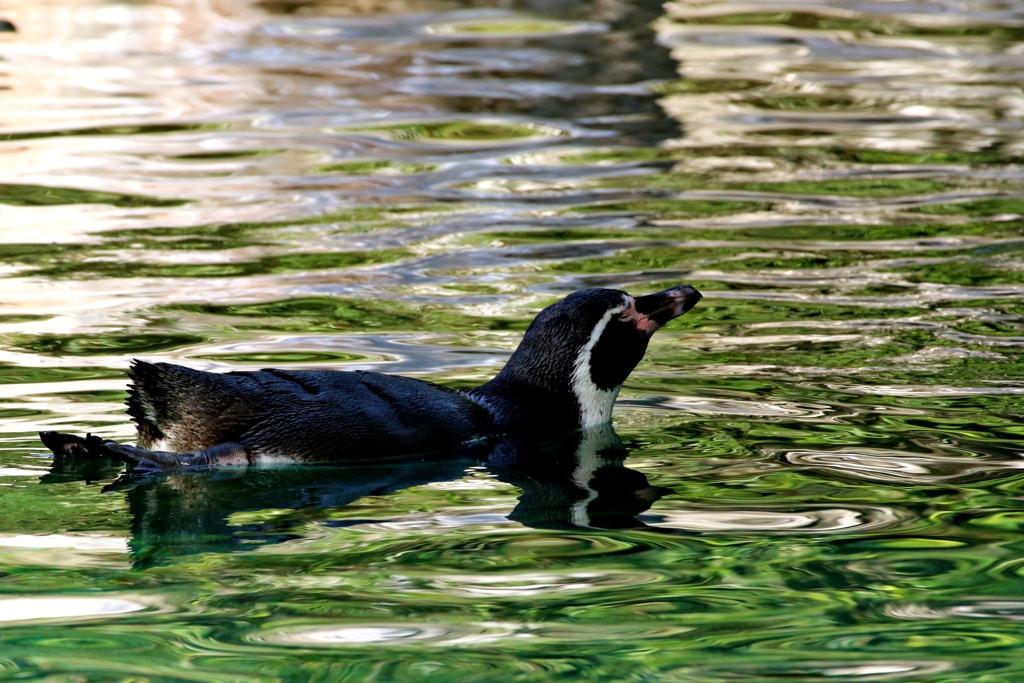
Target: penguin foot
<point x="71" y="445"/>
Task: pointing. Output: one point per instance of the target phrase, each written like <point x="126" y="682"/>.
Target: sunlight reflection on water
<point x="23" y="609"/>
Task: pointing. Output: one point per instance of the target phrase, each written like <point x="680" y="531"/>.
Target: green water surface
<point x="816" y="475"/>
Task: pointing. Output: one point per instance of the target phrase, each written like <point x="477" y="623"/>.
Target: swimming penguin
<point x="565" y="375"/>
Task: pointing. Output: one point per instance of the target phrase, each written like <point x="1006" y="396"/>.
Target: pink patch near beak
<point x="642" y="322"/>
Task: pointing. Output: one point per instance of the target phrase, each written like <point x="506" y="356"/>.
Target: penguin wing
<point x="337" y="415"/>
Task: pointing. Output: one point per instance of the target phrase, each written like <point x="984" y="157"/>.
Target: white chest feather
<point x="595" y="403"/>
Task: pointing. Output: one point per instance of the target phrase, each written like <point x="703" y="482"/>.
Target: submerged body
<point x="565" y="375"/>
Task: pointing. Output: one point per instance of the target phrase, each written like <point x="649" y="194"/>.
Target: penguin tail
<point x="147" y="401"/>
<point x="173" y="404"/>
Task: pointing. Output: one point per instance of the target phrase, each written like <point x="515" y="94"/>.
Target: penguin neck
<point x="542" y="396"/>
<point x="520" y="406"/>
<point x="594" y="403"/>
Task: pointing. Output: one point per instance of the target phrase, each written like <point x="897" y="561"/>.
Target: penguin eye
<point x="628" y="313"/>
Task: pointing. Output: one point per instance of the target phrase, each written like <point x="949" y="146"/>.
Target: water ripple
<point x="1009" y="610"/>
<point x="761" y="520"/>
<point x="835" y="429"/>
<point x="64" y="608"/>
<point x="441" y="634"/>
<point x="876" y="464"/>
<point x="531" y="585"/>
<point x="825" y="671"/>
<point x="721" y="406"/>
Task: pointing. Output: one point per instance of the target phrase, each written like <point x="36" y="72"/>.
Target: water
<point x="817" y="474"/>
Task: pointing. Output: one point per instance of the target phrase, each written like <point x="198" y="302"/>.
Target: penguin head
<point x="577" y="352"/>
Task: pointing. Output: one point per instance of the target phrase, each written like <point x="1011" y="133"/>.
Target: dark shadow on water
<point x="577" y="482"/>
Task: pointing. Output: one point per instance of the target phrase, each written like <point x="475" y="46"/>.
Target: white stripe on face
<point x="595" y="403"/>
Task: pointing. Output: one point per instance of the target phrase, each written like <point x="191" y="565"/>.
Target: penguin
<point x="564" y="376"/>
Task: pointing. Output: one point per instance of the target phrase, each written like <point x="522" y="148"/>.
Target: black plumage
<point x="306" y="414"/>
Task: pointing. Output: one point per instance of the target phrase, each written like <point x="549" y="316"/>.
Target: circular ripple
<point x="458" y="634"/>
<point x="898" y="467"/>
<point x="522" y="547"/>
<point x="523" y="584"/>
<point x="932" y="638"/>
<point x="378" y="634"/>
<point x="824" y="671"/>
<point x="761" y="520"/>
<point x="1008" y="610"/>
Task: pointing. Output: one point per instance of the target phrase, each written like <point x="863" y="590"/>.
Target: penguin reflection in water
<point x="543" y="423"/>
<point x="575" y="482"/>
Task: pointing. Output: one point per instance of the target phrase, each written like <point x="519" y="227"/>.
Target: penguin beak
<point x="654" y="310"/>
